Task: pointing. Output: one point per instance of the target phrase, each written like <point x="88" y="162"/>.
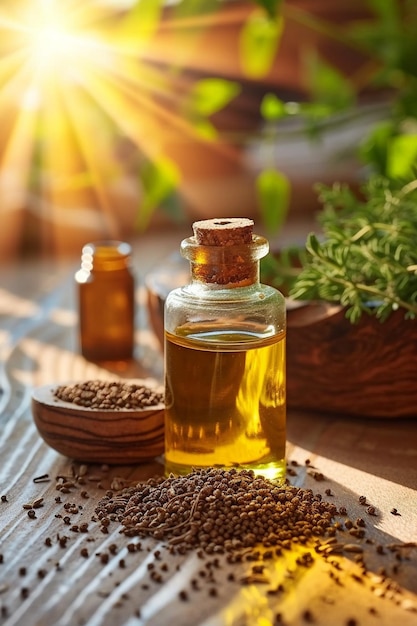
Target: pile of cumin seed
<point x="219" y="510"/>
<point x="109" y="395"/>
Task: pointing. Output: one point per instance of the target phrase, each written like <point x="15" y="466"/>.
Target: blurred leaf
<point x="272" y="108"/>
<point x="205" y="130"/>
<point x="273" y="191"/>
<point x="327" y="85"/>
<point x="212" y="94"/>
<point x="386" y="9"/>
<point x="391" y="37"/>
<point x="374" y="148"/>
<point x="173" y="207"/>
<point x="402" y="156"/>
<point x="270" y="6"/>
<point x="188" y="8"/>
<point x="160" y="179"/>
<point x="259" y="40"/>
<point x="142" y="19"/>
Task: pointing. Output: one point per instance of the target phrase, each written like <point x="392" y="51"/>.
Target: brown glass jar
<point x="106" y="300"/>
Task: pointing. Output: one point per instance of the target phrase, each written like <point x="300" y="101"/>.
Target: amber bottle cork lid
<point x="231" y="231"/>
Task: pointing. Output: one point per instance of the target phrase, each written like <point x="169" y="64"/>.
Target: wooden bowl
<point x="368" y="369"/>
<point x="121" y="436"/>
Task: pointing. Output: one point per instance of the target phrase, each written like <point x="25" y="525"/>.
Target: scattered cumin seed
<point x="68" y="484"/>
<point x="317" y="476"/>
<point x="44" y="478"/>
<point x="358" y="579"/>
<point x="352" y="547"/>
<point x="82" y="470"/>
<point x="308" y="616"/>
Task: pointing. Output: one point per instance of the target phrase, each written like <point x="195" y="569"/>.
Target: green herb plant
<point x="366" y="259"/>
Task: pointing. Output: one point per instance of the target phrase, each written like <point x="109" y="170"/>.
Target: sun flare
<point x="52" y="45"/>
<point x="91" y="90"/>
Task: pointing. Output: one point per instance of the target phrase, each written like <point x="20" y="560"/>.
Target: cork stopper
<point x="232" y="231"/>
<point x="223" y="251"/>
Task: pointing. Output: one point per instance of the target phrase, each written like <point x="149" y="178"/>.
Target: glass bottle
<point x="225" y="378"/>
<point x="106" y="301"/>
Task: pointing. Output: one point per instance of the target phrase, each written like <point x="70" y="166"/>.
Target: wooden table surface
<point x="91" y="578"/>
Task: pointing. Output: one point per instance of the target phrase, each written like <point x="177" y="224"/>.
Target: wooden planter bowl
<point x="115" y="437"/>
<point x="367" y="369"/>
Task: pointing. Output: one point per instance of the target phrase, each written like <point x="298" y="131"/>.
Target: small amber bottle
<point x="106" y="299"/>
<point x="225" y="379"/>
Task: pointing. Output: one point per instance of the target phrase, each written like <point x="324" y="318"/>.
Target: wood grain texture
<point x="367" y="369"/>
<point x="83" y="434"/>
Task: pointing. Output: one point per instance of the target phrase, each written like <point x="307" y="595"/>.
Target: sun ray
<point x="77" y="76"/>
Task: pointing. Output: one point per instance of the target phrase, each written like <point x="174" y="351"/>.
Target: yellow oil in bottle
<point x="225" y="401"/>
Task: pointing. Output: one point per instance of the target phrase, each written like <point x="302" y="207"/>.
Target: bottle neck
<point x="225" y="266"/>
<point x="106" y="256"/>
